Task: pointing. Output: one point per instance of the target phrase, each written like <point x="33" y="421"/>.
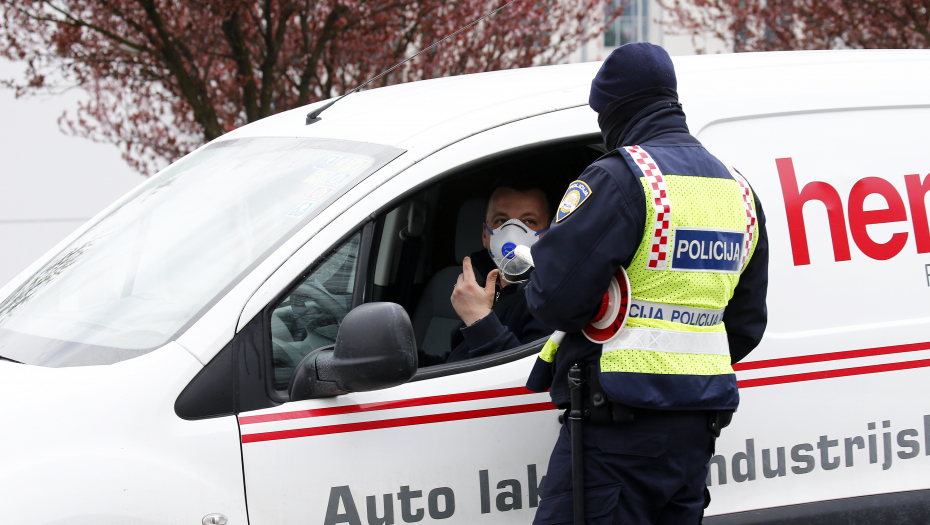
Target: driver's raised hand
<point x="472" y="302"/>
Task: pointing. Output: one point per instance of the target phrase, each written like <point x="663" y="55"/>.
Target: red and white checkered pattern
<point x="658" y="254"/>
<point x="750" y="213"/>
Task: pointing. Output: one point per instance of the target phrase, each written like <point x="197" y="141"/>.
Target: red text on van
<point x="858" y="218"/>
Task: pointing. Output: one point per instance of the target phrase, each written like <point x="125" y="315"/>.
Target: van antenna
<point x="314" y="116"/>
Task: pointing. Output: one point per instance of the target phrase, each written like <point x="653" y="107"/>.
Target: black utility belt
<point x="598" y="408"/>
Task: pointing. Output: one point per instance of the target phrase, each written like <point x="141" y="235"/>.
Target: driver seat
<point x="434" y="318"/>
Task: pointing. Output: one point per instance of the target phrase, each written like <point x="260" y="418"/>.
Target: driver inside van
<point x="492" y="308"/>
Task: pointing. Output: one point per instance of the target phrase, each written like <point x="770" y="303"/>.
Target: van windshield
<point x="142" y="274"/>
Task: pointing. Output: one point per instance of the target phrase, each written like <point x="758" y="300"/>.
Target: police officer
<point x="690" y="233"/>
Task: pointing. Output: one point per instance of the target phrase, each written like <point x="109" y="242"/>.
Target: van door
<point x="463" y="448"/>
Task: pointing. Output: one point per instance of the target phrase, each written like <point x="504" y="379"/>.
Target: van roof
<point x="430" y="114"/>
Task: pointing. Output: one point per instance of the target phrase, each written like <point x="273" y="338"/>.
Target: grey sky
<point x="49" y="182"/>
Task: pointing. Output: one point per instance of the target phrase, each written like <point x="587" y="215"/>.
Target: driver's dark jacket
<point x="496" y="332"/>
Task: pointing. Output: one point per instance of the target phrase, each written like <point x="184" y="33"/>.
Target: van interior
<point x="412" y="253"/>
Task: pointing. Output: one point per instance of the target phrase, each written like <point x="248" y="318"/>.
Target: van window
<point x="412" y="255"/>
<point x="309" y="316"/>
<point x="142" y="274"/>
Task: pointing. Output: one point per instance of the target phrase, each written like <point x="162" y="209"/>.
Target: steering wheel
<point x="281" y="355"/>
<point x="315" y="290"/>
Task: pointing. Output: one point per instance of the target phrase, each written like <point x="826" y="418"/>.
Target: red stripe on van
<point x="399" y="422"/>
<point x="832" y="356"/>
<point x="827" y="374"/>
<point x="386" y="405"/>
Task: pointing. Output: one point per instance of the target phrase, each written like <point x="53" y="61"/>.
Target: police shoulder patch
<point x="577" y="193"/>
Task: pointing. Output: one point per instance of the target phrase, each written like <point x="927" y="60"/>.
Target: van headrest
<point x="468" y="228"/>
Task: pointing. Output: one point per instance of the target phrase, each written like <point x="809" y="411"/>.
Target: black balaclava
<point x="633" y="77"/>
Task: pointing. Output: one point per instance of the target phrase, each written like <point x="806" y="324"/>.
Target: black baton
<point x="575" y="415"/>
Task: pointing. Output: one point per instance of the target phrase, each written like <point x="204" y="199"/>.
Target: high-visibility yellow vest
<point x="700" y="234"/>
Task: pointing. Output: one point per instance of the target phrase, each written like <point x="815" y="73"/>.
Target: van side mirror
<point x="375" y="348"/>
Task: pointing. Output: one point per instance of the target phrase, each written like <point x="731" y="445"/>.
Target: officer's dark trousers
<point x="650" y="471"/>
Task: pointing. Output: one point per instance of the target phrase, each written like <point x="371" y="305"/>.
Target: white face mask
<point x="504" y="239"/>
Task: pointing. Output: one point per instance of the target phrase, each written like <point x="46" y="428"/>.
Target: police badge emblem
<point x="577" y="193"/>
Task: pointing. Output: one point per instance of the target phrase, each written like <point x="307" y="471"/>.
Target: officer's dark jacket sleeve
<point x="577" y="256"/>
<point x="745" y="316"/>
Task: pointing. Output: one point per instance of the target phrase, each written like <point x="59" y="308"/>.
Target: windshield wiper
<point x="11" y="360"/>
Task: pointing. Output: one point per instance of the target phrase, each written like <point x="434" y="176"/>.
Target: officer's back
<point x="691" y="235"/>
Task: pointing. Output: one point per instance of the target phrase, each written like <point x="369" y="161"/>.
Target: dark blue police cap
<point x="631" y="68"/>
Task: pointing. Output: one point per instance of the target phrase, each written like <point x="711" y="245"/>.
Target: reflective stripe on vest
<point x="750" y="212"/>
<point x="658" y="351"/>
<point x="658" y="253"/>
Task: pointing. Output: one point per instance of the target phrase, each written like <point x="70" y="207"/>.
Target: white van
<point x="173" y="360"/>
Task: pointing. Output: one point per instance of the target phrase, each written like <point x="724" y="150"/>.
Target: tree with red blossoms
<point x="769" y="25"/>
<point x="163" y="76"/>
